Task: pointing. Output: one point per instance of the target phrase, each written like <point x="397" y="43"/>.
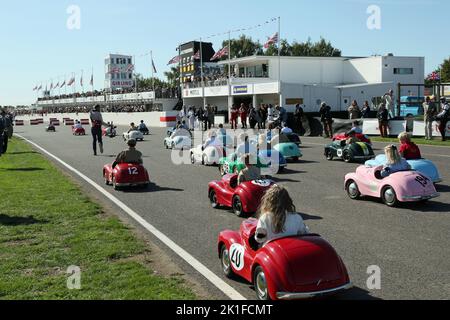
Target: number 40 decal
<point x="133" y="171"/>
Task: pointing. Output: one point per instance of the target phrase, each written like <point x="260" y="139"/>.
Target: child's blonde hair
<point x="404" y="136"/>
<point x="392" y="155"/>
<point x="277" y="202"/>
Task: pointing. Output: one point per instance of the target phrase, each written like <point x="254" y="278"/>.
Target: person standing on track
<point x="96" y="130"/>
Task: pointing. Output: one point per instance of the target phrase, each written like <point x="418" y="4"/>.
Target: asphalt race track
<point x="410" y="244"/>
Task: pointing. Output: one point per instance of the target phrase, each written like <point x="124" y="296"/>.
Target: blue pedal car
<point x="273" y="159"/>
<point x="426" y="167"/>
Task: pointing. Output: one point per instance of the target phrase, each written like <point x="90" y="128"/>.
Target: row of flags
<point x="69" y="83"/>
<point x="226" y="51"/>
<point x="434" y="76"/>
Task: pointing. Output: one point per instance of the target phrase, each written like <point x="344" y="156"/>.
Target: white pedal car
<point x="212" y="154"/>
<point x="179" y="141"/>
<point x="133" y="135"/>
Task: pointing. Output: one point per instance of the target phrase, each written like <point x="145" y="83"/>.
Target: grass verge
<point x="47" y="224"/>
<point x="419" y="141"/>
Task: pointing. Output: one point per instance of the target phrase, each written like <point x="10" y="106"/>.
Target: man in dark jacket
<point x="2" y="130"/>
<point x="326" y="119"/>
<point x="299" y="113"/>
<point x="383" y="120"/>
<point x="7" y="124"/>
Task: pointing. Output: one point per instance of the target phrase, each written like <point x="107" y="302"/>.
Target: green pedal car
<point x="355" y="152"/>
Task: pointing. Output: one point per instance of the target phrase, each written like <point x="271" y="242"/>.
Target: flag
<point x="92" y="80"/>
<point x="114" y="70"/>
<point x="51" y="86"/>
<point x="272" y="40"/>
<point x="57" y="85"/>
<point x="154" y="67"/>
<point x="221" y="53"/>
<point x="174" y="60"/>
<point x="63" y="84"/>
<point x="35" y="88"/>
<point x="81" y="81"/>
<point x="197" y="55"/>
<point x="130" y="68"/>
<point x="434" y="76"/>
<point x="40" y="87"/>
<point x="71" y="82"/>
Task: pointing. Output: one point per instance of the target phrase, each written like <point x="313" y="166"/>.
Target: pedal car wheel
<point x="192" y="158"/>
<point x="329" y="155"/>
<point x="237" y="206"/>
<point x="295" y="159"/>
<point x="389" y="196"/>
<point x="222" y="170"/>
<point x="347" y="157"/>
<point x="106" y="180"/>
<point x="260" y="283"/>
<point x="114" y="184"/>
<point x="203" y="160"/>
<point x="353" y="190"/>
<point x="213" y="199"/>
<point x="173" y="145"/>
<point x="226" y="263"/>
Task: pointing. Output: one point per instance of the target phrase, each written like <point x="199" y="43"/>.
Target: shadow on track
<point x="356" y="294"/>
<point x="19" y="221"/>
<point x="22" y="169"/>
<point x="442" y="188"/>
<point x="151" y="189"/>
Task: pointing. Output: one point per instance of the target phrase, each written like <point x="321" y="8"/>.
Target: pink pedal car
<point x="403" y="186"/>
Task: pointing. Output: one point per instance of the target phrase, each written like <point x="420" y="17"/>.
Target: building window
<point x="403" y="71"/>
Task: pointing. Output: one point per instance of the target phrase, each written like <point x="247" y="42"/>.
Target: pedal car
<point x="243" y="199"/>
<point x="233" y="164"/>
<point x="109" y="132"/>
<point x="404" y="186"/>
<point x="291" y="268"/>
<point x="212" y="154"/>
<point x="126" y="175"/>
<point x="294" y="138"/>
<point x="133" y="135"/>
<point x="181" y="140"/>
<point x="290" y="151"/>
<point x="355" y="152"/>
<point x="273" y="160"/>
<point x="344" y="136"/>
<point x="144" y="131"/>
<point x="426" y="167"/>
<point x="78" y="131"/>
<point x="50" y="128"/>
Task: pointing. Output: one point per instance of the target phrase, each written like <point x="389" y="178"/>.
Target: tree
<point x="243" y="47"/>
<point x="173" y="76"/>
<point x="286" y="49"/>
<point x="323" y="48"/>
<point x="445" y="70"/>
<point x="148" y="83"/>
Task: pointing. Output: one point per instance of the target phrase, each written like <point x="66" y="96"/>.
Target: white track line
<point x="194" y="263"/>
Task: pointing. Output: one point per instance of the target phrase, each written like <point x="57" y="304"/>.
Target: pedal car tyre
<point x="295" y="159"/>
<point x="260" y="283"/>
<point x="329" y="155"/>
<point x="213" y="199"/>
<point x="389" y="196"/>
<point x="353" y="190"/>
<point x="226" y="263"/>
<point x="222" y="170"/>
<point x="192" y="158"/>
<point x="347" y="157"/>
<point x="114" y="184"/>
<point x="237" y="207"/>
<point x="106" y="180"/>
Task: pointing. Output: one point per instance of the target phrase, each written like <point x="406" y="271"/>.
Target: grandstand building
<point x="119" y="71"/>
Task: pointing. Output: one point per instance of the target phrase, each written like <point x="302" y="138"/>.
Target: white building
<point x="308" y="81"/>
<point x="118" y="72"/>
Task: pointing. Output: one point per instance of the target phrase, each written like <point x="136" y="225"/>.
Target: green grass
<point x="420" y="141"/>
<point x="47" y="224"/>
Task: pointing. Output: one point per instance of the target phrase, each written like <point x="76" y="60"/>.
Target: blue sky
<point x="36" y="45"/>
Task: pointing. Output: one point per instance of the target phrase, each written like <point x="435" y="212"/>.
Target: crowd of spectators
<point x="161" y="92"/>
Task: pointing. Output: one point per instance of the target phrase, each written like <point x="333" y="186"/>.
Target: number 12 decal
<point x="133" y="171"/>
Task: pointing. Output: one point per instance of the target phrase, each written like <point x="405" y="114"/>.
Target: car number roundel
<point x="262" y="183"/>
<point x="340" y="153"/>
<point x="237" y="253"/>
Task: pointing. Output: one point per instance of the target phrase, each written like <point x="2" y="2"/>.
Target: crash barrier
<point x="55" y="122"/>
<point x="419" y="129"/>
<point x="35" y="122"/>
<point x="66" y="119"/>
<point x="84" y="122"/>
<point x="40" y="120"/>
<point x="19" y="123"/>
<point x="69" y="122"/>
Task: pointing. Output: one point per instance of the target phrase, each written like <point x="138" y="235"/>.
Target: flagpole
<point x="229" y="73"/>
<point x="135" y="75"/>
<point x="153" y="71"/>
<point x="279" y="61"/>
<point x="82" y="81"/>
<point x="201" y="71"/>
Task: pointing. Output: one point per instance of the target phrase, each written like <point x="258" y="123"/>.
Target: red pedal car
<point x="361" y="137"/>
<point x="291" y="268"/>
<point x="78" y="131"/>
<point x="126" y="175"/>
<point x="244" y="198"/>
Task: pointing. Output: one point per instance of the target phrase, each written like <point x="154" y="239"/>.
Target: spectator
<point x="443" y="118"/>
<point x="244" y="114"/>
<point x="383" y="120"/>
<point x="365" y="112"/>
<point x="354" y="111"/>
<point x="430" y="112"/>
<point x="326" y="119"/>
<point x="234" y="117"/>
<point x="298" y="115"/>
<point x="389" y="102"/>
